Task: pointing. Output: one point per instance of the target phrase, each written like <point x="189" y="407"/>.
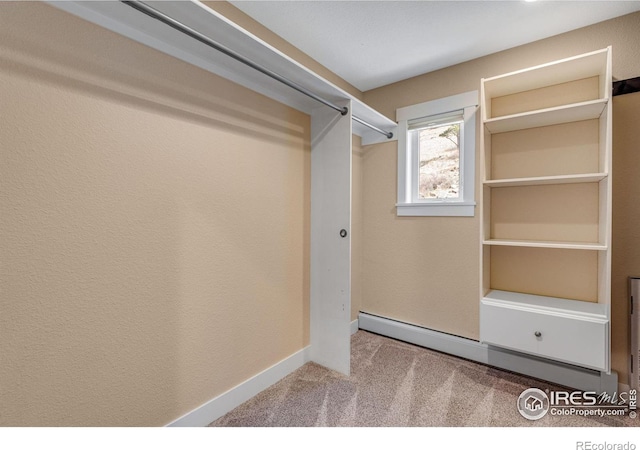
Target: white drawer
<point x="572" y="339"/>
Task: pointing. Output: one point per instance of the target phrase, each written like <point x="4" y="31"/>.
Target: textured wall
<point x="425" y="270"/>
<point x="626" y="216"/>
<point x="248" y="23"/>
<point x="154" y="222"/>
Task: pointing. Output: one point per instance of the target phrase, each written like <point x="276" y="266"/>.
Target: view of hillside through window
<point x="439" y="162"/>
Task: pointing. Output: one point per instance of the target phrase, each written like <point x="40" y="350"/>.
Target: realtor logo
<point x="533" y="404"/>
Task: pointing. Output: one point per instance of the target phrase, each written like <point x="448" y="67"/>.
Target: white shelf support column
<point x="330" y="246"/>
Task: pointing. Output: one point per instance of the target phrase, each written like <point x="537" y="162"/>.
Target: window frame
<point x="408" y="204"/>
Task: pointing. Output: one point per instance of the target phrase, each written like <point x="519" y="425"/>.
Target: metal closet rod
<point x="155" y="14"/>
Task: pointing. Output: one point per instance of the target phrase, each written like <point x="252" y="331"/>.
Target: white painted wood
<point x="444" y="209"/>
<point x="605" y="200"/>
<point x="603" y="140"/>
<point x="217" y="407"/>
<point x="544" y="369"/>
<point x="556" y="179"/>
<point x="554" y="305"/>
<point x="439" y="106"/>
<point x="546" y="244"/>
<point x="485" y="154"/>
<point x="133" y="24"/>
<point x="485" y="214"/>
<point x="484" y="199"/>
<point x="549" y="116"/>
<point x="331" y="253"/>
<point x="403" y="191"/>
<point x="372" y="137"/>
<point x="354" y="327"/>
<point x="605" y="194"/>
<point x="408" y="203"/>
<point x="369" y="136"/>
<point x="556" y="72"/>
<point x="572" y="331"/>
<point x="485" y="270"/>
<point x="468" y="151"/>
<point x="570" y="339"/>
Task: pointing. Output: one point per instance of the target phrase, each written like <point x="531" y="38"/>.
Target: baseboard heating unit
<point x="544" y="369"/>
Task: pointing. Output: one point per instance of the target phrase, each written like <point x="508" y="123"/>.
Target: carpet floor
<point x="395" y="384"/>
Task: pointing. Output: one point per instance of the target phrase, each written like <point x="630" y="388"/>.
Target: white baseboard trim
<point x="559" y="373"/>
<point x="354" y="327"/>
<point x="217" y="407"/>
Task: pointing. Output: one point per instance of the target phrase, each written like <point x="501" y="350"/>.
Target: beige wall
<point x="626" y="216"/>
<point x="425" y="270"/>
<point x="154" y="221"/>
<point x="248" y="23"/>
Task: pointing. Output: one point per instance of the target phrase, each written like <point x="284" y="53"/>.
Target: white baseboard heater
<point x="634" y="326"/>
<point x="544" y="369"/>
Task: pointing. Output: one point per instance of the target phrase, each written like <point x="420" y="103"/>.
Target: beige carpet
<point x="395" y="384"/>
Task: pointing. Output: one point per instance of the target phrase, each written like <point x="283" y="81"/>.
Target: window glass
<point x="439" y="161"/>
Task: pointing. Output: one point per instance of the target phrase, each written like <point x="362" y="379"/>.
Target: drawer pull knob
<point x="538" y="334"/>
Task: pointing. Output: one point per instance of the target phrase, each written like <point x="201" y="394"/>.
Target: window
<point x="436" y="157"/>
<point x="436" y="141"/>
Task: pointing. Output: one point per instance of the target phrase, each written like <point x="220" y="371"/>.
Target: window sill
<point x="437" y="209"/>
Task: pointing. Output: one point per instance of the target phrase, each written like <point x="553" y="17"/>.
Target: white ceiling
<point x="374" y="43"/>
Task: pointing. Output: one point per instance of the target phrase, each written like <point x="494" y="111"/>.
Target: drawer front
<point x="573" y="340"/>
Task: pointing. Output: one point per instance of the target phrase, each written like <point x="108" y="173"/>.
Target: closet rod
<point x="388" y="134"/>
<point x="155" y="14"/>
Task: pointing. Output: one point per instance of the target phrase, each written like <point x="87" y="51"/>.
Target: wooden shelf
<point x="535" y="303"/>
<point x="547" y="244"/>
<point x="556" y="72"/>
<point x="548" y="116"/>
<point x="556" y="179"/>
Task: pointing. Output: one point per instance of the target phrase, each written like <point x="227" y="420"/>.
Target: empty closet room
<point x="179" y="231"/>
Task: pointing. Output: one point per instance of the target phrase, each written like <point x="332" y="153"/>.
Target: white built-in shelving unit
<point x="546" y="210"/>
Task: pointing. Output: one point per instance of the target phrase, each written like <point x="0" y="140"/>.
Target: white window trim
<point x="405" y="206"/>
